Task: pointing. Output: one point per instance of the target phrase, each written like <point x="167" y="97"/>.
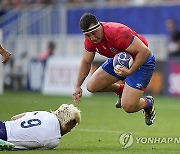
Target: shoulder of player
<point x="37" y="113"/>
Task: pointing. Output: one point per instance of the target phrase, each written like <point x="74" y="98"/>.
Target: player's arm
<point x="85" y="67"/>
<point x="142" y="52"/>
<point x="18" y="116"/>
<point x="84" y="70"/>
<point x="5" y="54"/>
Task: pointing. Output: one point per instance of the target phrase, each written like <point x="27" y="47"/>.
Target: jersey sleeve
<point x="88" y="45"/>
<point x="124" y="38"/>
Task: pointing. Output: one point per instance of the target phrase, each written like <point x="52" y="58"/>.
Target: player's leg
<point x="149" y="110"/>
<point x="3" y="133"/>
<point x="4" y="145"/>
<point x="136" y="83"/>
<point x="104" y="79"/>
<point x="132" y="101"/>
<point x="101" y="81"/>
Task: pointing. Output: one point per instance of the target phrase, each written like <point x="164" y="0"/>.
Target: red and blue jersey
<point x="117" y="38"/>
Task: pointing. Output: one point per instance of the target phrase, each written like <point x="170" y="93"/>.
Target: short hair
<point x="51" y="44"/>
<point x="86" y="20"/>
<point x="66" y="113"/>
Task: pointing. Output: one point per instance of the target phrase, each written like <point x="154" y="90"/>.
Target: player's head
<point x="171" y="25"/>
<point x="68" y="116"/>
<point x="91" y="27"/>
<point x="51" y="47"/>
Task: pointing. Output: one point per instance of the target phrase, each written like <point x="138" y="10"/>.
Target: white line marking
<point x="99" y="131"/>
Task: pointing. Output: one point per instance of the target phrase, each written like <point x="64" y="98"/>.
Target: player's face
<point x="69" y="126"/>
<point x="95" y="36"/>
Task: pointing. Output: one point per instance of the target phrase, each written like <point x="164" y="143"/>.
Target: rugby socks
<point x="148" y="103"/>
<point x="120" y="90"/>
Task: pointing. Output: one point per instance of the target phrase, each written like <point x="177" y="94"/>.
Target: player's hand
<point x="5" y="54"/>
<point x="77" y="94"/>
<point x="122" y="71"/>
<point x="6" y="57"/>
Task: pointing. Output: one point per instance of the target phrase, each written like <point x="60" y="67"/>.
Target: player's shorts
<point x="3" y="133"/>
<point x="139" y="79"/>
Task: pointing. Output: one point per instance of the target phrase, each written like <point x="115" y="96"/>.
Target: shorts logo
<point x="139" y="86"/>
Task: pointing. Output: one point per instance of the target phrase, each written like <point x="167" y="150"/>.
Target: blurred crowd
<point x="6" y="5"/>
<point x="120" y="2"/>
<point x="10" y="4"/>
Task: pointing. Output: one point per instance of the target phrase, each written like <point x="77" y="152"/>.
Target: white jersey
<point x="38" y="129"/>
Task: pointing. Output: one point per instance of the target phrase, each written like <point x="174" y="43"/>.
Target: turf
<point x="102" y="124"/>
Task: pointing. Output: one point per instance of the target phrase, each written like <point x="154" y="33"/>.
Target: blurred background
<point x="47" y="44"/>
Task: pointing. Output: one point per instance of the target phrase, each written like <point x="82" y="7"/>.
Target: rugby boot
<point x="150" y="113"/>
<point x="118" y="103"/>
<point x="4" y="145"/>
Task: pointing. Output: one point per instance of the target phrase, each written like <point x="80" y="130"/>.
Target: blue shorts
<point x="3" y="133"/>
<point x="139" y="79"/>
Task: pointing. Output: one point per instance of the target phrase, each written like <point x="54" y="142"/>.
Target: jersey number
<point x="30" y="123"/>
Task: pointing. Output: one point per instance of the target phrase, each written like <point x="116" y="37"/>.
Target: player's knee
<point x="128" y="107"/>
<point x="90" y="88"/>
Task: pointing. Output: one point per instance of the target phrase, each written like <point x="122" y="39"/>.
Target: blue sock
<point x="148" y="103"/>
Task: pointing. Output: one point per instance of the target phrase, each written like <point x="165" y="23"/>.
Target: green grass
<point x="102" y="123"/>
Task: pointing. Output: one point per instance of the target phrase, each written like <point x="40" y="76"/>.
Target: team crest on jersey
<point x="113" y="50"/>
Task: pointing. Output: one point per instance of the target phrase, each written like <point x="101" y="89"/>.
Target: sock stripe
<point x="148" y="103"/>
<point x="120" y="90"/>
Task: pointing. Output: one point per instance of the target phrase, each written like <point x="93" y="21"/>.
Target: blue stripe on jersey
<point x="131" y="39"/>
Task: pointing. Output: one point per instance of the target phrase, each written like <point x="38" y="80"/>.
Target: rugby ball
<point x="122" y="59"/>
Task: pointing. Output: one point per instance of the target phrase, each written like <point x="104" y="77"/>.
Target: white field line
<point x="103" y="131"/>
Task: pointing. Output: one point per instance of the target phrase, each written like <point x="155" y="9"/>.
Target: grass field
<point x="102" y="124"/>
